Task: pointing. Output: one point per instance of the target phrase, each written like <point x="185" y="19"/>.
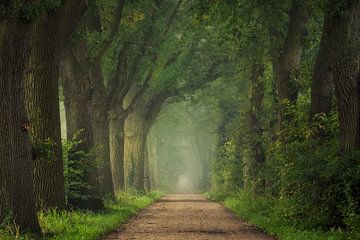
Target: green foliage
<point x="317" y="186"/>
<point x="78" y="225"/>
<point x="77" y="166"/>
<point x="30" y="10"/>
<point x="43" y="151"/>
<point x="261" y="211"/>
<point x="310" y="184"/>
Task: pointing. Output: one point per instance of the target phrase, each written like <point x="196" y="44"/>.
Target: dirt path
<point x="188" y="217"/>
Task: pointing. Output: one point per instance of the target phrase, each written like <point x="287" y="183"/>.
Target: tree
<point x="42" y="97"/>
<point x="81" y="84"/>
<point x="17" y="197"/>
<point x="344" y="50"/>
<point x="287" y="56"/>
<point x="322" y="79"/>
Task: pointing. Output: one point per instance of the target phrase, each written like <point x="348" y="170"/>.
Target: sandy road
<point x="188" y="217"/>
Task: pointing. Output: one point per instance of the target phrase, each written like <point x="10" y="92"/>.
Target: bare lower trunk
<point x="116" y="126"/>
<point x="101" y="130"/>
<point x="135" y="142"/>
<point x="77" y="90"/>
<point x="322" y="80"/>
<point x="16" y="190"/>
<point x="42" y="105"/>
<point x="344" y="51"/>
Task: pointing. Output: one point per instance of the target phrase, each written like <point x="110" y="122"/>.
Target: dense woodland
<point x="255" y="99"/>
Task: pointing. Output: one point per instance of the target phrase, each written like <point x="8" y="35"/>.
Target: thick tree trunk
<point x="137" y="127"/>
<point x="152" y="155"/>
<point x="77" y="99"/>
<point x="344" y="51"/>
<point x="117" y="134"/>
<point x="78" y="94"/>
<point x="286" y="67"/>
<point x="257" y="155"/>
<point x="51" y="31"/>
<point x="42" y="105"/>
<point x="101" y="129"/>
<point x="322" y="80"/>
<point x="15" y="153"/>
<point x="134" y="149"/>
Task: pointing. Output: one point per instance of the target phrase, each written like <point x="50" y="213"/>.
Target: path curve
<point x="188" y="217"/>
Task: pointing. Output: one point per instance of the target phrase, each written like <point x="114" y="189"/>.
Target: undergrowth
<point x="263" y="212"/>
<point x="86" y="225"/>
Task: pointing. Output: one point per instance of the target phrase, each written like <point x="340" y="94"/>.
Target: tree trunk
<point x="137" y="127"/>
<point x="51" y="31"/>
<point x="147" y="171"/>
<point x="134" y="149"/>
<point x="42" y="105"/>
<point x="116" y="126"/>
<point x="78" y="94"/>
<point x="257" y="155"/>
<point x="15" y="153"/>
<point x="77" y="99"/>
<point x="287" y="65"/>
<point x="322" y="80"/>
<point x="344" y="51"/>
<point x="101" y="129"/>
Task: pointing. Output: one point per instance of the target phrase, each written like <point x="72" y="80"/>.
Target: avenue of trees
<point x="255" y="96"/>
<point x="113" y="65"/>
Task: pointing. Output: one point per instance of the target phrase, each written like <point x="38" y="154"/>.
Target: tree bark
<point x="137" y="127"/>
<point x="42" y="105"/>
<point x="135" y="142"/>
<point x="147" y="171"/>
<point x="117" y="135"/>
<point x="51" y="31"/>
<point x="322" y="79"/>
<point x="344" y="51"/>
<point x="101" y="128"/>
<point x="78" y="93"/>
<point x="286" y="66"/>
<point x="15" y="154"/>
<point x="257" y="155"/>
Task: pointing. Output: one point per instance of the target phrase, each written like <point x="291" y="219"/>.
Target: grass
<point x="261" y="212"/>
<point x="79" y="225"/>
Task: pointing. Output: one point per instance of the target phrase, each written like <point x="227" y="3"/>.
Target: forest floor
<point x="186" y="216"/>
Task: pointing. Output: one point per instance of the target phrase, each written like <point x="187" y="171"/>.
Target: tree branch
<point x="104" y="45"/>
<point x="155" y="105"/>
<point x="147" y="81"/>
<point x="119" y="81"/>
<point x="148" y="35"/>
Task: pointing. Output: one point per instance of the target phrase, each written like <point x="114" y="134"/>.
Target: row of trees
<point x="295" y="137"/>
<point x="273" y="69"/>
<point x="116" y="63"/>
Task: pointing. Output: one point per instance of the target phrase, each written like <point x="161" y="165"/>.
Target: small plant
<point x="79" y="166"/>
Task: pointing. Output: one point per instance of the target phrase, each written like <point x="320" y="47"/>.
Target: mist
<point x="180" y="147"/>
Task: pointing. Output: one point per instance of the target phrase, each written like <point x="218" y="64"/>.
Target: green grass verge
<point x="78" y="225"/>
<point x="262" y="212"/>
